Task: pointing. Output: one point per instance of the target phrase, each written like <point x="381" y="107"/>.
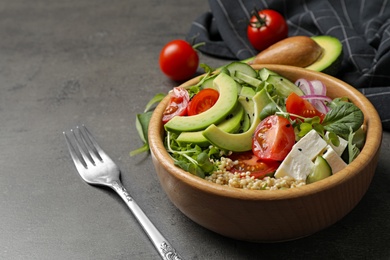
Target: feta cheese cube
<point x="310" y="145"/>
<point x="341" y="147"/>
<point x="334" y="160"/>
<point x="296" y="165"/>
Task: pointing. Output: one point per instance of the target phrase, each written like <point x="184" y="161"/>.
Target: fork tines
<point x="83" y="148"/>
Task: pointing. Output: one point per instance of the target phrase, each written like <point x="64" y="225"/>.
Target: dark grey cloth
<point x="363" y="27"/>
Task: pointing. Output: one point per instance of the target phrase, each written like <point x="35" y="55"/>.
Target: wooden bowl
<point x="271" y="215"/>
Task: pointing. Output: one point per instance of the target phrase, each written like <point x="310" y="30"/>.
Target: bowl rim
<point x="371" y="147"/>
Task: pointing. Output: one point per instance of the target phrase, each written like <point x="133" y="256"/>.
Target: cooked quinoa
<point x="223" y="176"/>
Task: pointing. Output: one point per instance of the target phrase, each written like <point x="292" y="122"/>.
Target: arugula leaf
<point x="204" y="162"/>
<point x="353" y="150"/>
<point x="190" y="167"/>
<point x="319" y="129"/>
<point x="359" y="138"/>
<point x="308" y="124"/>
<point x="142" y="149"/>
<point x="337" y="101"/>
<point x="269" y="109"/>
<point x="208" y="71"/>
<point x="304" y="128"/>
<point x="191" y="158"/>
<point x="207" y="68"/>
<point x="156" y="99"/>
<point x="142" y="125"/>
<point x="334" y="139"/>
<point x="343" y="117"/>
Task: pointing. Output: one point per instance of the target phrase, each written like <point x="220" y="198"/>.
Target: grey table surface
<point x="95" y="62"/>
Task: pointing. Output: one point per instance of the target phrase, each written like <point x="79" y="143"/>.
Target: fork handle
<point x="162" y="245"/>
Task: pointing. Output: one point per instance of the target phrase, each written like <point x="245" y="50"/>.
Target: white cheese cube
<point x="296" y="165"/>
<point x="310" y="145"/>
<point x="341" y="147"/>
<point x="334" y="160"/>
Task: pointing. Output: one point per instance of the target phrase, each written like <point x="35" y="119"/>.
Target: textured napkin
<point x="363" y="27"/>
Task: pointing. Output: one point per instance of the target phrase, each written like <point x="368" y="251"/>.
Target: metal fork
<point x="97" y="168"/>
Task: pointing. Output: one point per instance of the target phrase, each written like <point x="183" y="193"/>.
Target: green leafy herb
<point x="276" y="106"/>
<point x="333" y="138"/>
<point x="194" y="89"/>
<point x="142" y="120"/>
<point x="359" y="138"/>
<point x="353" y="150"/>
<point x="142" y="124"/>
<point x="191" y="158"/>
<point x="269" y="109"/>
<point x="343" y="117"/>
<point x="309" y="124"/>
<point x="156" y="99"/>
<point x="337" y="101"/>
<point x="319" y="129"/>
<point x="304" y="128"/>
<point x="207" y="68"/>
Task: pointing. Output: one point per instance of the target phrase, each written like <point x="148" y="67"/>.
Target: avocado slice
<point x="208" y="83"/>
<point x="242" y="141"/>
<point x="226" y="102"/>
<point x="231" y="124"/>
<point x="245" y="123"/>
<point x="332" y="55"/>
<point x="248" y="105"/>
<point x="247" y="92"/>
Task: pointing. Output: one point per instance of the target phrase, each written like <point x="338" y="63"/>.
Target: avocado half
<point x="332" y="55"/>
<point x="330" y="60"/>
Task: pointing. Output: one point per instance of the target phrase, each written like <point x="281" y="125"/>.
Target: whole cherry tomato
<point x="301" y="107"/>
<point x="202" y="101"/>
<point x="177" y="104"/>
<point x="265" y="28"/>
<point x="178" y="60"/>
<point x="248" y="162"/>
<point x="273" y="138"/>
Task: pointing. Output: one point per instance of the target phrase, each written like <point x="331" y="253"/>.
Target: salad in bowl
<point x="249" y="165"/>
<point x="255" y="129"/>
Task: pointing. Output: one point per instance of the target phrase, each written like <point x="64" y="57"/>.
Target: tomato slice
<point x="177" y="105"/>
<point x="205" y="99"/>
<point x="259" y="169"/>
<point x="273" y="138"/>
<point x="302" y="107"/>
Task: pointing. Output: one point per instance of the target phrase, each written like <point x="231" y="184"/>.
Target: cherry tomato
<point x="273" y="138"/>
<point x="179" y="60"/>
<point x="265" y="28"/>
<point x="301" y="107"/>
<point x="177" y="104"/>
<point x="202" y="101"/>
<point x="247" y="161"/>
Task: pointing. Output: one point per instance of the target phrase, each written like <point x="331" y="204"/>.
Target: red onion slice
<point x="315" y="93"/>
<point x="317" y="97"/>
